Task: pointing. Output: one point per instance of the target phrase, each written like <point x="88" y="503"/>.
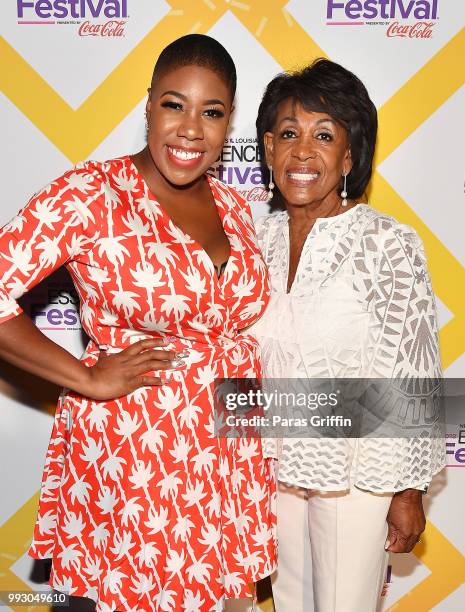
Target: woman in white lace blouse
<point x="351" y="298"/>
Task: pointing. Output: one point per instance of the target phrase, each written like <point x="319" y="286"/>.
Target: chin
<point x="179" y="176"/>
<point x="183" y="181"/>
<point x="176" y="176"/>
<point x="298" y="201"/>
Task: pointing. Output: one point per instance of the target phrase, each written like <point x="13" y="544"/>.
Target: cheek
<point x="333" y="159"/>
<point x="161" y="124"/>
<point x="154" y="132"/>
<point x="218" y="129"/>
<point x="280" y="153"/>
<point x="330" y="161"/>
<point x="216" y="134"/>
<point x="280" y="161"/>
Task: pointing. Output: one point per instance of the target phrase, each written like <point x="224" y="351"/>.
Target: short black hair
<point x="198" y="50"/>
<point x="327" y="87"/>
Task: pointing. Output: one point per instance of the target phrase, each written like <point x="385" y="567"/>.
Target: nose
<point x="304" y="151"/>
<point x="191" y="127"/>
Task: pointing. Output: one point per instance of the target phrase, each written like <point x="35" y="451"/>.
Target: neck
<point x="304" y="216"/>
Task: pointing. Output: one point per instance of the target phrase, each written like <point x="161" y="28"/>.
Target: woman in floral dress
<point x="142" y="507"/>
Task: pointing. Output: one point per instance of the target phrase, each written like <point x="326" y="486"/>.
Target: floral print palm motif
<point x="141" y="507"/>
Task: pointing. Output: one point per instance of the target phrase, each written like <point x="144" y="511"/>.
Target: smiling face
<point x="308" y="151"/>
<point x="188" y="113"/>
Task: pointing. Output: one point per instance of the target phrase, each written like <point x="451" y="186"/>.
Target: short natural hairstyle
<point x="197" y="50"/>
<point x="327" y="87"/>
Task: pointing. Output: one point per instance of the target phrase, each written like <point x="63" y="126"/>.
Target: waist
<point x="123" y="338"/>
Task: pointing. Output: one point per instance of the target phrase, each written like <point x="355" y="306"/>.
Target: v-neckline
<point x="320" y="223"/>
<point x="221" y="214"/>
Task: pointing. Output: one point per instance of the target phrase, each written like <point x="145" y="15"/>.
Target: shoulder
<point x="267" y="223"/>
<point x="99" y="173"/>
<point x="382" y="231"/>
<point x="84" y="180"/>
<point x="86" y="189"/>
<point x="227" y="193"/>
<point x="96" y="184"/>
<point x="384" y="239"/>
<point x="267" y="226"/>
<point x="234" y="205"/>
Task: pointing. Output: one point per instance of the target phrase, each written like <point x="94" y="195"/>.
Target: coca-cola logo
<point x="420" y="29"/>
<point x="255" y="194"/>
<point x="110" y="28"/>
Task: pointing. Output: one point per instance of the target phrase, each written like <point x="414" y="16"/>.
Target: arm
<point x="23" y="345"/>
<point x="58" y="223"/>
<point x="406" y="348"/>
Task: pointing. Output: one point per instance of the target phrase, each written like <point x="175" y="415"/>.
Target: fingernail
<point x="176" y="363"/>
<point x="182" y="355"/>
<point x="387" y="545"/>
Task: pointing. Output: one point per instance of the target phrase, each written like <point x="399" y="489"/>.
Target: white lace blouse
<point x="361" y="306"/>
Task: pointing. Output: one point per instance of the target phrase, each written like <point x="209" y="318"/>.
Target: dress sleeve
<point x="403" y="330"/>
<point x="403" y="346"/>
<point x="59" y="223"/>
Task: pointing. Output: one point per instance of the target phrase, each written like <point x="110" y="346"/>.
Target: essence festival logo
<point x="455" y="447"/>
<point x="82" y="13"/>
<point x="403" y="18"/>
<point x="239" y="166"/>
<point x="55" y="308"/>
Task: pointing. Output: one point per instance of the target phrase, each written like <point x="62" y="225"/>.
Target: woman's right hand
<point x="121" y="373"/>
<point x="406" y="521"/>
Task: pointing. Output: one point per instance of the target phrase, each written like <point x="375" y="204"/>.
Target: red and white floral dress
<point x="141" y="506"/>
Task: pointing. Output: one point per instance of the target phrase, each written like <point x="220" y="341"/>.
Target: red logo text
<point x="110" y="28"/>
<point x="421" y="29"/>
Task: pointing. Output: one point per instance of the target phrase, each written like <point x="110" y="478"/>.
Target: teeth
<point x="184" y="155"/>
<point x="302" y="177"/>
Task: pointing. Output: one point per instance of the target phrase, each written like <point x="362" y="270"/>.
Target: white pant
<point x="331" y="555"/>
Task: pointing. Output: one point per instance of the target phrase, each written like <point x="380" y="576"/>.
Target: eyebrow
<point x="294" y="120"/>
<point x="291" y="119"/>
<point x="214" y="101"/>
<point x="171" y="92"/>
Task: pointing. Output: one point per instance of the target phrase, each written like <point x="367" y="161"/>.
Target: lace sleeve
<point x="403" y="330"/>
<point x="404" y="346"/>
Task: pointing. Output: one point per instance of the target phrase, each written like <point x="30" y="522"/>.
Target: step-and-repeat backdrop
<point x="74" y="75"/>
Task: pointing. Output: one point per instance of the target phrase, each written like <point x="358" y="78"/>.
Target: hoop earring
<point x="344" y="191"/>
<point x="270" y="184"/>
